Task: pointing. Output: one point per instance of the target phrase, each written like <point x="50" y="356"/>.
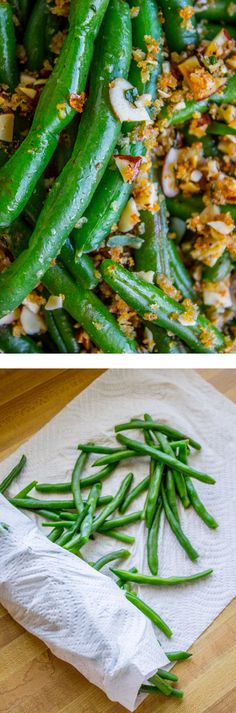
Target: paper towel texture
<point x="187" y="402"/>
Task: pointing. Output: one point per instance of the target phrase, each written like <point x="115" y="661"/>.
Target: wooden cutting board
<point x="32" y="680"/>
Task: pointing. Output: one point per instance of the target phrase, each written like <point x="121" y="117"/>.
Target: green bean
<point x="180" y="274"/>
<point x="20" y="174"/>
<point x="145" y="688"/>
<point x="154" y="305"/>
<point x="209" y="30"/>
<point x="74" y="188"/>
<point x="10" y="344"/>
<point x="165" y="342"/>
<point x="179" y="480"/>
<point x="6" y="482"/>
<point x="113" y="192"/>
<point x="89" y="311"/>
<point x="149" y="612"/>
<point x="154" y="254"/>
<point x="116" y="535"/>
<point x="183" y="208"/>
<point x="53" y="487"/>
<point x="8" y="64"/>
<point x="143" y="485"/>
<point x="169" y="581"/>
<point x="55" y="534"/>
<point x="97" y="477"/>
<point x="176" y="528"/>
<point x="167" y="674"/>
<point x="60" y="523"/>
<point x="178" y="655"/>
<point x="164" y="687"/>
<point x="219" y="129"/>
<point x="153" y="493"/>
<point x="179" y="442"/>
<point x="171" y="494"/>
<point x="216" y="10"/>
<point x="191" y="106"/>
<point x="22" y="493"/>
<point x="121" y="521"/>
<point x="115" y="503"/>
<point x="87" y="524"/>
<point x="198" y="505"/>
<point x="159" y="427"/>
<point x="152" y="540"/>
<point x="64" y="325"/>
<point x="94" y="448"/>
<point x="117" y="554"/>
<point x="220" y="270"/>
<point x="48" y="514"/>
<point x="178" y="33"/>
<point x="83" y="270"/>
<point x="34" y="37"/>
<point x="75" y="481"/>
<point x="121" y="454"/>
<point x="29" y="503"/>
<point x="80" y="520"/>
<point x="165" y="458"/>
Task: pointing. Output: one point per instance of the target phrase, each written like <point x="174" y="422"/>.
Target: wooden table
<point x="32" y="680"/>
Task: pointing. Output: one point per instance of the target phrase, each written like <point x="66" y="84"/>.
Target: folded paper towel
<point x="82" y="616"/>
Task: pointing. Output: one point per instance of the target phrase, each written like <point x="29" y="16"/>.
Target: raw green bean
<point x="115" y="503"/>
<point x="75" y="481"/>
<point x="150" y="613"/>
<point x="20" y="174"/>
<point x="164" y="687"/>
<point x="153" y="493"/>
<point x="53" y="487"/>
<point x="171" y="494"/>
<point x="179" y="34"/>
<point x="121" y="521"/>
<point x="152" y="304"/>
<point x="167" y="674"/>
<point x="165" y="458"/>
<point x="94" y="448"/>
<point x="177" y="530"/>
<point x="87" y="524"/>
<point x="48" y="514"/>
<point x="143" y="485"/>
<point x="159" y="427"/>
<point x="198" y="505"/>
<point x="22" y="493"/>
<point x="117" y="554"/>
<point x="145" y="688"/>
<point x="67" y="536"/>
<point x="169" y="581"/>
<point x="6" y="482"/>
<point x="116" y="535"/>
<point x="8" y="64"/>
<point x="97" y="477"/>
<point x="181" y="488"/>
<point x="55" y="534"/>
<point x="121" y="454"/>
<point x="152" y="540"/>
<point x="178" y="655"/>
<point x="35" y="504"/>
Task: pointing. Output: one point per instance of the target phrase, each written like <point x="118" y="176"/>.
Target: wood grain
<point x="32" y="680"/>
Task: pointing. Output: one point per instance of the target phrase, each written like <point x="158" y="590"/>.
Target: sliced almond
<point x="169" y="184"/>
<point x="123" y="109"/>
<point x="128" y="166"/>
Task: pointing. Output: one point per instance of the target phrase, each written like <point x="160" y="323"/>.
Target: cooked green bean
<point x="6" y="482"/>
<point x="8" y="64"/>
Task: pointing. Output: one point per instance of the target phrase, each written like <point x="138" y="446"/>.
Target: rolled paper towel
<point x="79" y="613"/>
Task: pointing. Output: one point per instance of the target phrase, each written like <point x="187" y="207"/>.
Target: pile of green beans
<point x="80" y="518"/>
<point x="61" y="189"/>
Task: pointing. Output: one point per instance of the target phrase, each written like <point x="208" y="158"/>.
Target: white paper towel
<point x="186" y="401"/>
<point x="78" y="612"/>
